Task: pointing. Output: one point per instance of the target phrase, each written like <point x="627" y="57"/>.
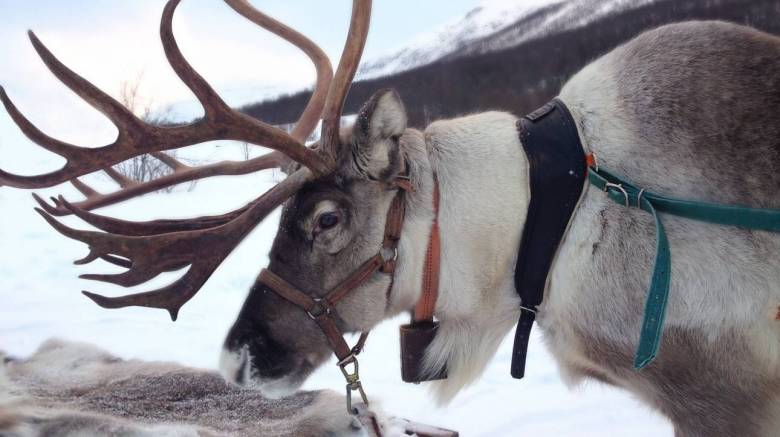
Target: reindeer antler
<point x="147" y="249"/>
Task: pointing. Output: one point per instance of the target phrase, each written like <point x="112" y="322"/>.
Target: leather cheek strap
<point x="321" y="309"/>
<point x="393" y="225"/>
<point x="426" y="305"/>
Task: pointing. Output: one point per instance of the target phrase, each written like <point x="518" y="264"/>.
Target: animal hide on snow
<point x="71" y="389"/>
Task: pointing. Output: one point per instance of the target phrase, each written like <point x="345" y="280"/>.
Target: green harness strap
<point x="629" y="195"/>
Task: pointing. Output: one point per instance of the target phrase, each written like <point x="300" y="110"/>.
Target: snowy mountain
<point x="489" y="17"/>
<point x="514" y="55"/>
<point x="495" y="25"/>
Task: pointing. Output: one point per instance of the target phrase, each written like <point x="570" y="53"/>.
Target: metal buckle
<point x="530" y="310"/>
<point x="319" y="309"/>
<point x="619" y="187"/>
<point x="353" y="382"/>
<point x="384" y="253"/>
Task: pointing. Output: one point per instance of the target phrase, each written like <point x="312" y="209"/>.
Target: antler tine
<point x="133" y="189"/>
<point x="119" y="178"/>
<point x="92" y="256"/>
<point x="170" y="298"/>
<point x="150" y="255"/>
<point x="147" y="249"/>
<point x="154" y="227"/>
<point x="313" y="111"/>
<point x="125" y="121"/>
<point x="137" y="137"/>
<point x="33" y="133"/>
<point x="221" y="118"/>
<point x="345" y="73"/>
<point x="170" y="161"/>
<point x="212" y="103"/>
<point x="84" y="188"/>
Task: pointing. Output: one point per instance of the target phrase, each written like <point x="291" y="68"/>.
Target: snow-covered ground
<point x="39" y="298"/>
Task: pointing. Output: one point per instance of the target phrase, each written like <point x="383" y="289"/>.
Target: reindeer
<point x="688" y="109"/>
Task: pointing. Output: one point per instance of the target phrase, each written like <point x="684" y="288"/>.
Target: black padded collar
<point x="558" y="172"/>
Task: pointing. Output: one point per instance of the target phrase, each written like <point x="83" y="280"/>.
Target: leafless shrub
<point x="145" y="167"/>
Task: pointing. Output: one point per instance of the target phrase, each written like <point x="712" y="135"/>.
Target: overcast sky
<point x="110" y="41"/>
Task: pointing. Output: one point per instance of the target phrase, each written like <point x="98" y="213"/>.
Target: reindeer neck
<point x="416" y="230"/>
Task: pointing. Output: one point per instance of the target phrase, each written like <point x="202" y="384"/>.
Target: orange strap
<point x="591" y="160"/>
<point x="423" y="310"/>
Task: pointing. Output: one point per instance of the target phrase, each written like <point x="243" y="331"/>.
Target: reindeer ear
<point x="378" y="129"/>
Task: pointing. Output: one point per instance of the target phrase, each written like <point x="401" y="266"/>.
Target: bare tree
<point x="144" y="167"/>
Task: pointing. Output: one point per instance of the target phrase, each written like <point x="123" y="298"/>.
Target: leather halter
<point x="322" y="309"/>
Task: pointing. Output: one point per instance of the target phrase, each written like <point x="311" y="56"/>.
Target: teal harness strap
<point x="629" y="195"/>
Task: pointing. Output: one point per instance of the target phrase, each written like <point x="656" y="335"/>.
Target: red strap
<point x="591" y="160"/>
<point x="423" y="311"/>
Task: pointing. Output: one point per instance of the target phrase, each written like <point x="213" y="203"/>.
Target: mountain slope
<point x="496" y="25"/>
<point x="489" y="17"/>
<point x="481" y="75"/>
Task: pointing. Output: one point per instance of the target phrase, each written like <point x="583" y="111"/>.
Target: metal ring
<point x="323" y="309"/>
<point x="528" y="309"/>
<point x="619" y="187"/>
<point x="383" y="253"/>
<point x="639" y="198"/>
<point x="351" y="358"/>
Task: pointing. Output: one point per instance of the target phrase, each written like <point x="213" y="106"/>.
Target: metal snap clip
<point x="353" y="382"/>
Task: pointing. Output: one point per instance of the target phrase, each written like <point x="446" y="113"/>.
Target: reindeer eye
<point x="328" y="220"/>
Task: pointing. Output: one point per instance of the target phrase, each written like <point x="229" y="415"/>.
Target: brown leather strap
<point x="361" y="343"/>
<point x="358" y="277"/>
<point x="321" y="309"/>
<point x="334" y="336"/>
<point x="393" y="225"/>
<point x="286" y="290"/>
<point x="426" y="305"/>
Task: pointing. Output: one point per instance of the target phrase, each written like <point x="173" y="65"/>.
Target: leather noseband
<point x="322" y="309"/>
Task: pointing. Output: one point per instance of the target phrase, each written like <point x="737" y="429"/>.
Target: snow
<point x="488" y="17"/>
<point x="39" y="291"/>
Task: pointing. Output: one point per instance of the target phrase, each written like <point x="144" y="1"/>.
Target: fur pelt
<point x="71" y="389"/>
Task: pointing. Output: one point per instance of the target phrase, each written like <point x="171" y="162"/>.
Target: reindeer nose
<point x="234" y="365"/>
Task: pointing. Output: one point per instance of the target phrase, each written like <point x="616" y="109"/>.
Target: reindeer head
<point x="327" y="231"/>
<point x="336" y="199"/>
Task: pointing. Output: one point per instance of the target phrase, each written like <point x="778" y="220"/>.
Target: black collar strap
<point x="557" y="177"/>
